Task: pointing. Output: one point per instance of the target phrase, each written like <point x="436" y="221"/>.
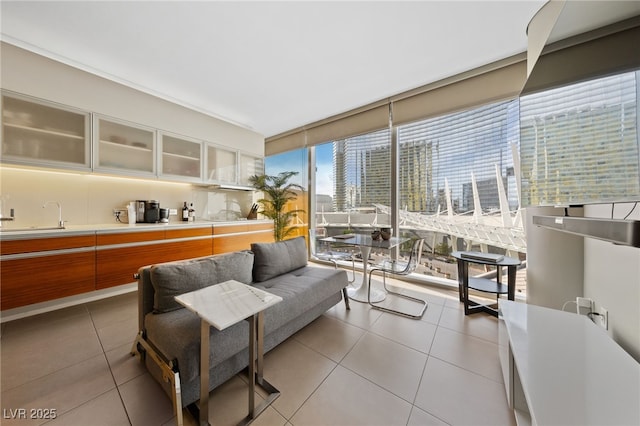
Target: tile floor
<point x="358" y="367"/>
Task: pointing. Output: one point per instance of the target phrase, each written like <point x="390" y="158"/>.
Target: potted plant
<point x="279" y="192"/>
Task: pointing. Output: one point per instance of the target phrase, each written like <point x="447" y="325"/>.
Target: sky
<point x="297" y="160"/>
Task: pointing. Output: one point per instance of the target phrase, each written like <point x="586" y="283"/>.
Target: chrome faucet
<point x="60" y="221"/>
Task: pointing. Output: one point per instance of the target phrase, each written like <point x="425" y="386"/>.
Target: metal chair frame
<point x="399" y="268"/>
<point x="334" y="257"/>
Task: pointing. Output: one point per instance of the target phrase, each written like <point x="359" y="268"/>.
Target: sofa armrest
<point x="145" y="295"/>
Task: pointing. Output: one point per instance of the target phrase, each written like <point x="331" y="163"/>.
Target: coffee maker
<point x="152" y="211"/>
<point x="147" y="211"/>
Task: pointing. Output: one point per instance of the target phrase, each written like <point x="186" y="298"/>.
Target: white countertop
<point x="21" y="233"/>
<point x="572" y="372"/>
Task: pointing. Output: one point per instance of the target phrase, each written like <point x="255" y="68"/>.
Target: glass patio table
<point x="365" y="243"/>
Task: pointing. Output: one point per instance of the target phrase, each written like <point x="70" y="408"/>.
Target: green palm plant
<point x="279" y="192"/>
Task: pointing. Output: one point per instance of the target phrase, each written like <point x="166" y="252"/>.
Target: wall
<point x="554" y="262"/>
<point x="31" y="74"/>
<point x="612" y="279"/>
<point x="562" y="266"/>
<point x="90" y="199"/>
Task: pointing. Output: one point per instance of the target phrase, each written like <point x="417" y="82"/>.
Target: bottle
<point x="185" y="212"/>
<point x="192" y="214"/>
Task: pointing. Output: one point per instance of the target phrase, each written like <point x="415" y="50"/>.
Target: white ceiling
<point x="271" y="66"/>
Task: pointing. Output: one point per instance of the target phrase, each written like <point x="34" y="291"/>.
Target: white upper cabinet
<point x="249" y="165"/>
<point x="46" y="134"/>
<point x="124" y="148"/>
<point x="180" y="158"/>
<point x="43" y="133"/>
<point x="222" y="165"/>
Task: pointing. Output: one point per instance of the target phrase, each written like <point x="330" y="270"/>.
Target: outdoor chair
<point x="333" y="257"/>
<point x="399" y="268"/>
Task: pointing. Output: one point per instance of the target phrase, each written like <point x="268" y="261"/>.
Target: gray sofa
<point x="169" y="335"/>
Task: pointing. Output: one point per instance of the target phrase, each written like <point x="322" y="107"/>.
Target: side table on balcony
<point x="465" y="282"/>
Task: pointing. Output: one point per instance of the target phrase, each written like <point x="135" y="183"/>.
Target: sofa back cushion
<point x="273" y="259"/>
<point x="175" y="278"/>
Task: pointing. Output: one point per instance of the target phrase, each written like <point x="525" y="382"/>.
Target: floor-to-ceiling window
<point x="579" y="143"/>
<point x="459" y="175"/>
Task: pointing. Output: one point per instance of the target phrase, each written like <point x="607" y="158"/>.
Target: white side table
<point x="220" y="306"/>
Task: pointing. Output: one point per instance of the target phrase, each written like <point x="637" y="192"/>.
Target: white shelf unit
<point x="560" y="368"/>
<point x="41" y="133"/>
<point x="124" y="148"/>
<point x="180" y="158"/>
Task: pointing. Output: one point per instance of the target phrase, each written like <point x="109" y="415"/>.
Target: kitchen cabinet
<point x="124" y="148"/>
<point x="181" y="158"/>
<point x="236" y="237"/>
<point x="249" y="165"/>
<point x="41" y="269"/>
<point x="222" y="165"/>
<point x="43" y="133"/>
<point x="119" y="255"/>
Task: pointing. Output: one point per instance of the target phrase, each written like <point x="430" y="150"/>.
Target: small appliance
<point x="139" y="207"/>
<point x="164" y="215"/>
<point x="152" y="211"/>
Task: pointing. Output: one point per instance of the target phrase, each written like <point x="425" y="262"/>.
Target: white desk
<point x="366" y="243"/>
<point x="562" y="369"/>
<point x="222" y="305"/>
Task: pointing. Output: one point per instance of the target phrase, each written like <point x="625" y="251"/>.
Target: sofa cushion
<point x="273" y="259"/>
<point x="175" y="278"/>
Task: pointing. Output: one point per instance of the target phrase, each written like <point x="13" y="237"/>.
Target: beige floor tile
<point x="145" y="401"/>
<point x="433" y="313"/>
<point x="118" y="333"/>
<point x="468" y="352"/>
<point x="330" y="337"/>
<point x="481" y="325"/>
<point x="48" y="319"/>
<point x="360" y="315"/>
<point x="345" y="398"/>
<point x="124" y="366"/>
<point x="48" y="347"/>
<point x="62" y="390"/>
<point x="422" y="418"/>
<point x="296" y="371"/>
<point x="114" y="309"/>
<point x="415" y="334"/>
<point x="391" y="365"/>
<point x="460" y="397"/>
<point x="105" y="410"/>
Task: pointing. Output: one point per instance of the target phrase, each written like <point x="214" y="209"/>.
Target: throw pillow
<point x="175" y="278"/>
<point x="273" y="259"/>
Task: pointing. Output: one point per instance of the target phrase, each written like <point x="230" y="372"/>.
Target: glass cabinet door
<point x="181" y="157"/>
<point x="250" y="165"/>
<point x="124" y="147"/>
<point x="37" y="132"/>
<point x="221" y="165"/>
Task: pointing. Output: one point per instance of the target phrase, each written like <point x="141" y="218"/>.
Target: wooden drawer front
<point x="117" y="266"/>
<point x="39" y="279"/>
<point x="240" y="242"/>
<point x="129" y="237"/>
<point x="233" y="229"/>
<point x="45" y="244"/>
<point x="187" y="232"/>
